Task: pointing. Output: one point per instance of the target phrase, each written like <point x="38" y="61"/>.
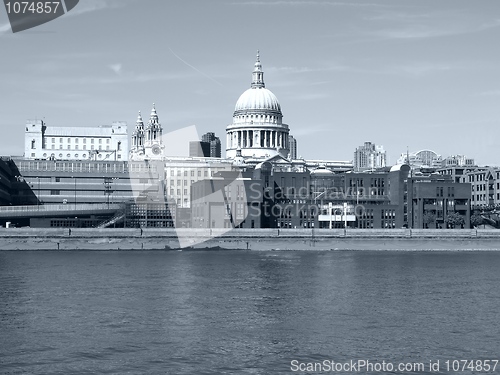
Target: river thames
<point x="245" y="312"/>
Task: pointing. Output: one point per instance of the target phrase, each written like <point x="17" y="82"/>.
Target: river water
<point x="243" y="312"/>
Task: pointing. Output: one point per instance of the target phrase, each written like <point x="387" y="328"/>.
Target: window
<point x="53" y="140"/>
<point x="60" y="140"/>
<point x="76" y="140"/>
<point x="192" y="173"/>
<point x="69" y="140"/>
<point x="92" y="140"/>
<point x="119" y="146"/>
<point x="107" y="141"/>
<point x="100" y="141"/>
<point x="33" y="144"/>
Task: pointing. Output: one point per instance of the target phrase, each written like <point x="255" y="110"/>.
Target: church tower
<point x="138" y="137"/>
<point x="153" y="145"/>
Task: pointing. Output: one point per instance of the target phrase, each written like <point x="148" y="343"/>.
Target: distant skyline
<point x="416" y="74"/>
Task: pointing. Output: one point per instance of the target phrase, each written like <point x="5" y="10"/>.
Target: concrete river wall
<point x="249" y="239"/>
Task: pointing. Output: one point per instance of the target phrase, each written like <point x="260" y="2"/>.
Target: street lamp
<point x="345" y="215"/>
<point x="38" y="194"/>
<point x="330" y="212"/>
<point x="74" y="179"/>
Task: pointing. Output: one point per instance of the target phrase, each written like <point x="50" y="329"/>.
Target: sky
<point x="402" y="73"/>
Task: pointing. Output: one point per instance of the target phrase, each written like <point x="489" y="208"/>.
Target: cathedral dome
<point x="257" y="100"/>
<point x="257" y="130"/>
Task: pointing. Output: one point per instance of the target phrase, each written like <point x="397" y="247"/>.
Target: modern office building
<point x="457" y="161"/>
<point x="214" y="144"/>
<point x="369" y="157"/>
<point x="7" y="176"/>
<point x="182" y="173"/>
<point x="199" y="149"/>
<point x="433" y="197"/>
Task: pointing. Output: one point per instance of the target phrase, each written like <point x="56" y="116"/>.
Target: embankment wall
<point x="250" y="239"/>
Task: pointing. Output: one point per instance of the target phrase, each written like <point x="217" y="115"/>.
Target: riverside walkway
<point x="55" y="210"/>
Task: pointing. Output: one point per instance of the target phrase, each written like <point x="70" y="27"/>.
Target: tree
<point x="476" y="220"/>
<point x="454" y="218"/>
<point x="428" y="218"/>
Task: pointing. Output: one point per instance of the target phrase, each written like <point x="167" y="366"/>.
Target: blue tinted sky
<point x="423" y="74"/>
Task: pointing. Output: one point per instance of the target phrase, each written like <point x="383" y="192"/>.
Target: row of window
<point x="450" y="191"/>
<point x="92" y="147"/>
<point x="481" y="177"/>
<point x="172" y="192"/>
<point x="84" y="140"/>
<point x="75" y="166"/>
<point x="482" y="197"/>
<point x="83" y="156"/>
<point x="185" y="173"/>
<point x="482" y="187"/>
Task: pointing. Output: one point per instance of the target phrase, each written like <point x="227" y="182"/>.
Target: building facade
<point x="435" y="197"/>
<point x="485" y="187"/>
<point x="214" y="144"/>
<point x="293" y="147"/>
<point x="106" y="142"/>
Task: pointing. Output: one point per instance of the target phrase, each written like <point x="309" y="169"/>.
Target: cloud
<point x="117" y="68"/>
<point x="430" y="25"/>
<point x="489" y="93"/>
<point x="422" y="68"/>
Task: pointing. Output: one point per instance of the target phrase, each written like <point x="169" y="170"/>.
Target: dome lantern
<point x="258" y="74"/>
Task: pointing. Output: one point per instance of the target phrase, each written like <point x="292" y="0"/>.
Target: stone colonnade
<point x="257" y="138"/>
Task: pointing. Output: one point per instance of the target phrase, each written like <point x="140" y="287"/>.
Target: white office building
<point x="105" y="142"/>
